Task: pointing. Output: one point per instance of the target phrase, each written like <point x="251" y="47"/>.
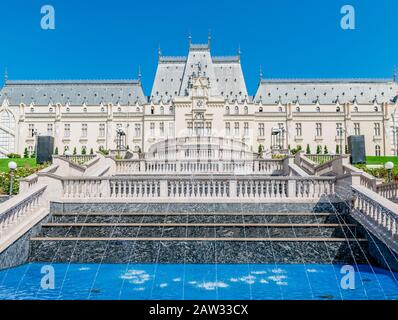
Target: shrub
<point x="325" y="150"/>
<point x="318" y="149"/>
<point x="74" y="151"/>
<point x="19" y="172"/>
<point x="13" y="156"/>
<point x="26" y="153"/>
<point x="56" y="151"/>
<point x="83" y="151"/>
<point x="91" y="151"/>
<point x="337" y="149"/>
<point x="33" y="155"/>
<point x="308" y="150"/>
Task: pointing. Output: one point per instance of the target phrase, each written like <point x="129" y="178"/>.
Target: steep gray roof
<point x="326" y="91"/>
<point x="174" y="74"/>
<point x="75" y="92"/>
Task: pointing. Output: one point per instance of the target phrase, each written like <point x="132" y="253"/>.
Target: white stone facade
<point x="200" y="95"/>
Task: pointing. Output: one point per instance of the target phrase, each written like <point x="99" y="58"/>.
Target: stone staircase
<point x="198" y="237"/>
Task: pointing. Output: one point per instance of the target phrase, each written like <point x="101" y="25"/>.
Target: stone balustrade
<point x="321" y="158"/>
<point x="202" y="187"/>
<point x="388" y="190"/>
<point x="377" y="214"/>
<point x="79" y="159"/>
<point x="19" y="207"/>
<point x="268" y="167"/>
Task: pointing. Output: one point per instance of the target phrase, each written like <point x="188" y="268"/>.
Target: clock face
<point x="199" y="103"/>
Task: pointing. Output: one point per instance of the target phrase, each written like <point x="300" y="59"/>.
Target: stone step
<point x="198" y="250"/>
<point x="196" y="230"/>
<point x="197" y="218"/>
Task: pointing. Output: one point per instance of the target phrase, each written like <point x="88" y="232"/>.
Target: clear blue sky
<point x="110" y="39"/>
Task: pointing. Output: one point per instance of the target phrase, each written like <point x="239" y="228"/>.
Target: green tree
<point x="33" y="155"/>
<point x="74" y="151"/>
<point x="56" y="151"/>
<point x="91" y="151"/>
<point x="337" y="149"/>
<point x="26" y="153"/>
<point x="318" y="149"/>
<point x="325" y="150"/>
<point x="308" y="150"/>
<point x="84" y="151"/>
<point x="346" y="149"/>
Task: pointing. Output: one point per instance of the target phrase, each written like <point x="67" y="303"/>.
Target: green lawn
<point x="381" y="160"/>
<point x="29" y="163"/>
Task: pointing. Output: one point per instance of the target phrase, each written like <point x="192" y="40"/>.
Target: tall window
<point x="339" y="129"/>
<point x="261" y="130"/>
<point x="50" y="129"/>
<point x="299" y="131"/>
<point x="102" y="130"/>
<point x="236" y="128"/>
<point x="357" y="129"/>
<point x="161" y="129"/>
<point x="31" y="129"/>
<point x="67" y="130"/>
<point x="246" y="128"/>
<point x="377" y="129"/>
<point x="84" y="130"/>
<point x="199" y="128"/>
<point x="7" y="135"/>
<point x="208" y="128"/>
<point x="377" y="150"/>
<point x="227" y="128"/>
<point x="137" y="130"/>
<point x="171" y="129"/>
<point x="152" y="129"/>
<point x="318" y="129"/>
<point x="190" y="128"/>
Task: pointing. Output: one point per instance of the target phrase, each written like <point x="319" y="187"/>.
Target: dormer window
<point x="280" y="109"/>
<point x="260" y="109"/>
<point x="376" y="109"/>
<point x="119" y="109"/>
<point x="318" y="109"/>
<point x="102" y="109"/>
<point x="246" y="110"/>
<point x="32" y="109"/>
<point x="227" y="110"/>
<point x="161" y="110"/>
<point x="84" y="109"/>
<point x="236" y="110"/>
<point x="152" y="110"/>
<point x="337" y="109"/>
<point x="67" y="109"/>
<point x="298" y="109"/>
<point x="356" y="109"/>
<point x="50" y="110"/>
<point x="138" y="109"/>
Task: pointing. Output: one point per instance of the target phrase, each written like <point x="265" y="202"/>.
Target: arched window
<point x="7" y="136"/>
<point x="318" y="109"/>
<point x="377" y="150"/>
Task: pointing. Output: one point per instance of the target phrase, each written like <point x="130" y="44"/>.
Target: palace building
<point x="200" y="95"/>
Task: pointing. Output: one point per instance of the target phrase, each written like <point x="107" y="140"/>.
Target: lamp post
<point x="12" y="166"/>
<point x="389" y="166"/>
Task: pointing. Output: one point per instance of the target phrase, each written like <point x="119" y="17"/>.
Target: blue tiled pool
<point x="165" y="281"/>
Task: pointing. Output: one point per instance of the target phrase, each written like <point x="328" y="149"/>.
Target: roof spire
<point x="159" y="51"/>
<point x="239" y="52"/>
<point x="208" y="39"/>
<point x="261" y="72"/>
<point x="139" y="73"/>
<point x="5" y="75"/>
<point x="395" y="73"/>
<point x="189" y="38"/>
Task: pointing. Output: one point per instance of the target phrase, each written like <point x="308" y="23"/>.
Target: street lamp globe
<point x="67" y="153"/>
<point x="389" y="165"/>
<point x="12" y="165"/>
